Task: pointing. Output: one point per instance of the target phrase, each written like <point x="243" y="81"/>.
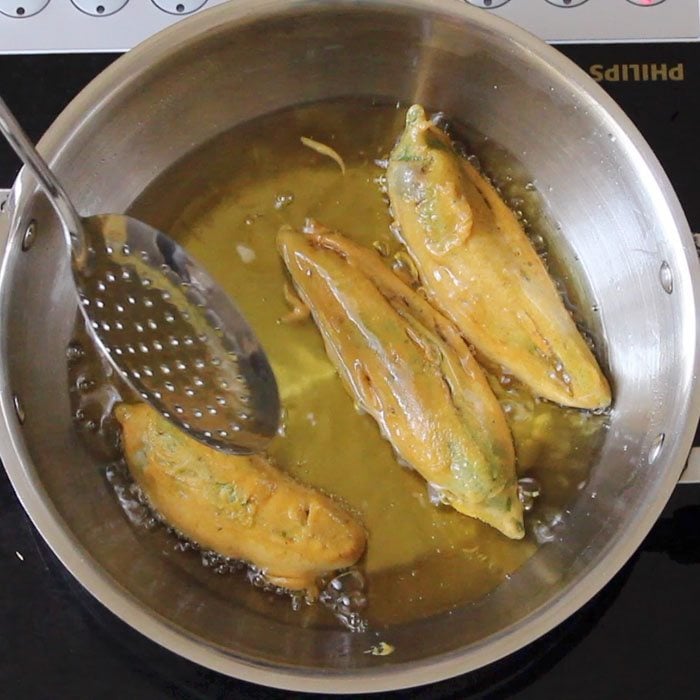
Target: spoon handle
<point x="18" y="139"/>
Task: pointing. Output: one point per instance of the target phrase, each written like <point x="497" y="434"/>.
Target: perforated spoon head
<point x="174" y="335"/>
<point x="169" y="331"/>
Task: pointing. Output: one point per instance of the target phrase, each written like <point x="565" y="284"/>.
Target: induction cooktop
<point x="637" y="638"/>
<point x="117" y="25"/>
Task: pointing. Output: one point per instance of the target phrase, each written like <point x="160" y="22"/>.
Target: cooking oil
<point x="225" y="203"/>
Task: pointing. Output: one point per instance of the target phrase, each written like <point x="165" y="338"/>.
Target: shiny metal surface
<point x="72" y="228"/>
<point x="618" y="224"/>
<point x="167" y="328"/>
<point x="174" y="336"/>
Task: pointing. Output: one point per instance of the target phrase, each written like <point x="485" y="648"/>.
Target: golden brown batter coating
<point x="408" y="367"/>
<point x="238" y="506"/>
<point x="479" y="268"/>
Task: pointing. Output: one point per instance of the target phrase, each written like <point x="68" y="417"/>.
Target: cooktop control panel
<point x="61" y="26"/>
<point x="50" y="26"/>
<point x="601" y="20"/>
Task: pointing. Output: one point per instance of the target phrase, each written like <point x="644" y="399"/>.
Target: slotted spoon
<point x="167" y="328"/>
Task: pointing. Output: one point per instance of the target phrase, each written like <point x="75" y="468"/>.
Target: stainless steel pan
<point x="621" y="227"/>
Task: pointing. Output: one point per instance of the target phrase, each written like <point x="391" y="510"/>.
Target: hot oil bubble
<point x="440" y="120"/>
<point x="74" y="351"/>
<point x="546" y="527"/>
<point x="218" y="563"/>
<point x="474" y="161"/>
<point x="382" y="183"/>
<point x="85" y="384"/>
<point x="258" y="579"/>
<point x="437" y="495"/>
<point x="505" y="379"/>
<point x="297" y="602"/>
<point x="539" y="244"/>
<point x="528" y="491"/>
<point x="130" y="497"/>
<point x="405" y="268"/>
<point x="283" y="200"/>
<point x="345" y="597"/>
<point x="543" y="533"/>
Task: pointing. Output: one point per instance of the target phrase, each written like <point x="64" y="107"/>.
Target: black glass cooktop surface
<point x="638" y="638"/>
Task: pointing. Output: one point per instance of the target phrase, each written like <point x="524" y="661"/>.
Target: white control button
<point x="646" y="3"/>
<point x="22" y="8"/>
<point x="566" y="3"/>
<point x="99" y="8"/>
<point x="179" y="7"/>
<point x="488" y="4"/>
